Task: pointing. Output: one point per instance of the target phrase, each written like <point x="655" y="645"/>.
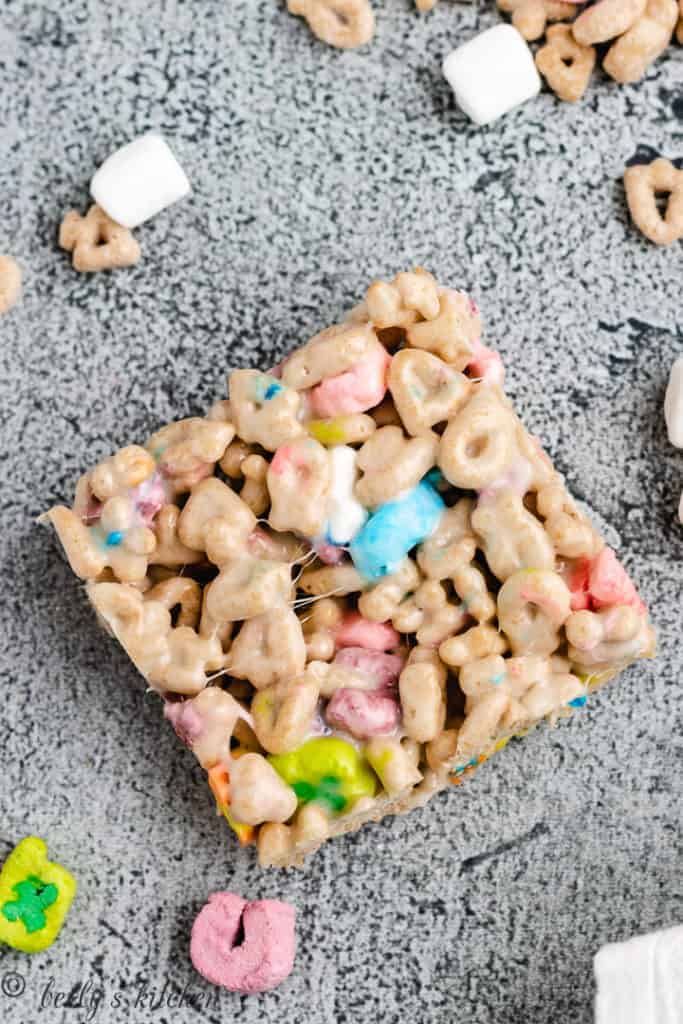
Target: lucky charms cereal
<point x="357" y="577"/>
<point x="35" y="896"/>
<point x="246" y="946"/>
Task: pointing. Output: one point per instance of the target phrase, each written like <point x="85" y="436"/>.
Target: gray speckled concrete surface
<point x="315" y="171"/>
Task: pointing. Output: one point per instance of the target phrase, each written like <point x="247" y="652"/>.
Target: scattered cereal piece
<point x="97" y="242"/>
<point x="342" y="23"/>
<point x="10" y="283"/>
<point x="492" y="73"/>
<point x="35" y="896"/>
<point x="565" y="64"/>
<point x="138" y="181"/>
<point x="606" y="20"/>
<point x="530" y="16"/>
<point x="643" y="182"/>
<point x="673" y="404"/>
<point x="631" y="55"/>
<point x="256" y="963"/>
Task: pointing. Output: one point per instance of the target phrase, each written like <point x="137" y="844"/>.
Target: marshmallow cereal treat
<point x="492" y="73"/>
<point x="356" y="578"/>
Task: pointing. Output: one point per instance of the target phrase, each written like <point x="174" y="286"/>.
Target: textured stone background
<point x="315" y="171"/>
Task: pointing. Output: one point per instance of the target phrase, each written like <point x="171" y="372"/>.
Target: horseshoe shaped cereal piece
<point x="643" y="182"/>
<point x="568" y="81"/>
<point x="97" y="242"/>
<point x="425" y="389"/>
<point x="265" y="956"/>
<point x="341" y="23"/>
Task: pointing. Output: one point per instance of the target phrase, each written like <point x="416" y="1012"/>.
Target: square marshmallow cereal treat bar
<point x="357" y="577"/>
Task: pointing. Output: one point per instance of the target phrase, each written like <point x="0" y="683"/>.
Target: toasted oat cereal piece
<point x="631" y="55"/>
<point x="342" y="23"/>
<point x="606" y="20"/>
<point x="10" y="283"/>
<point x="97" y="242"/>
<point x="643" y="182"/>
<point x="342" y="662"/>
<point x="529" y="19"/>
<point x="565" y="64"/>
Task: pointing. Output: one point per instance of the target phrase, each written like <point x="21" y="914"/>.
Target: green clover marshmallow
<point x="327" y="770"/>
<point x="35" y="896"/>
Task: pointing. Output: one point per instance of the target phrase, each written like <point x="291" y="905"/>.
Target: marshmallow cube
<point x="492" y="73"/>
<point x="138" y="181"/>
<point x="673" y="404"/>
<point x="641" y="981"/>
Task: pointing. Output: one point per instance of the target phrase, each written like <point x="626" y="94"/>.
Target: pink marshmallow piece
<point x="383" y="669"/>
<point x="601" y="582"/>
<point x="356" y="390"/>
<point x="486" y="364"/>
<point x="183" y="717"/>
<point x="363" y="714"/>
<point x="330" y="554"/>
<point x="262" y="960"/>
<point x="149" y="497"/>
<point x="577" y="581"/>
<point x="609" y="583"/>
<point x="355" y="631"/>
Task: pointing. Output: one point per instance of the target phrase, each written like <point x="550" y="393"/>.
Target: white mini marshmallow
<point x="673" y="404"/>
<point x="641" y="981"/>
<point x="138" y="181"/>
<point x="345" y="514"/>
<point x="492" y="73"/>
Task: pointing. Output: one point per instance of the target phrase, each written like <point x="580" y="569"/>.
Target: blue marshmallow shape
<point x="393" y="529"/>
